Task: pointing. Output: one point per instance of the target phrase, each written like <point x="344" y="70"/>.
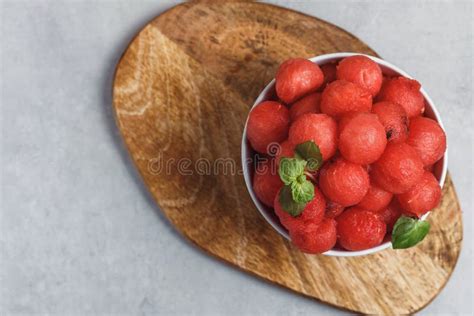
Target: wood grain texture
<point x="182" y="92"/>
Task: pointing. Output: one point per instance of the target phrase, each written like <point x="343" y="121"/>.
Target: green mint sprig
<point x="302" y="190"/>
<point x="290" y="169"/>
<point x="288" y="204"/>
<point x="298" y="190"/>
<point x="310" y="152"/>
<point x="407" y="232"/>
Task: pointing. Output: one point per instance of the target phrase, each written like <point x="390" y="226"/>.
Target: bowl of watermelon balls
<point x="345" y="155"/>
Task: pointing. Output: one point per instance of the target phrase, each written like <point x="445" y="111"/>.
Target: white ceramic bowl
<point x="268" y="93"/>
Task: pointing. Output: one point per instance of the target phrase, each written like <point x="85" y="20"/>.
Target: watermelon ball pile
<point x="355" y="155"/>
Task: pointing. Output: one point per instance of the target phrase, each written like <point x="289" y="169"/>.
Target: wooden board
<point x="182" y="92"/>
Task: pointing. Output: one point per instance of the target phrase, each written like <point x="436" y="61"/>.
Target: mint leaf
<point x="287" y="202"/>
<point x="290" y="169"/>
<point x="302" y="190"/>
<point x="297" y="190"/>
<point x="310" y="152"/>
<point x="408" y="232"/>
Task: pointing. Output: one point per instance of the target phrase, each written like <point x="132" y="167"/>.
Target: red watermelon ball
<point x="315" y="238"/>
<point x="428" y="139"/>
<point x="312" y="213"/>
<point x="376" y="199"/>
<point x="266" y="182"/>
<point x="341" y="97"/>
<point x="394" y="119"/>
<point x="268" y="123"/>
<point x="391" y="214"/>
<point x="319" y="128"/>
<point x="329" y="72"/>
<point x="422" y="197"/>
<point x="285" y="150"/>
<point x="359" y="229"/>
<point x="344" y="182"/>
<point x="405" y="92"/>
<point x="362" y="138"/>
<point x="297" y="77"/>
<point x="308" y="104"/>
<point x="398" y="169"/>
<point x="362" y="71"/>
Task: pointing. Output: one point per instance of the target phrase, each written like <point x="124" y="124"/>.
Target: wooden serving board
<point x="182" y="92"/>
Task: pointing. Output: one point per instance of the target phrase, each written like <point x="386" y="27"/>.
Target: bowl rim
<point x="245" y="149"/>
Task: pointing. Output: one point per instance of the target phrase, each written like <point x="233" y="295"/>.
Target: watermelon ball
<point x="394" y="119"/>
<point x="266" y="182"/>
<point x="286" y="150"/>
<point x="312" y="213"/>
<point x="268" y="123"/>
<point x="344" y="182"/>
<point x="359" y="229"/>
<point x="341" y="97"/>
<point x="362" y="71"/>
<point x="428" y="139"/>
<point x="405" y="92"/>
<point x="297" y="77"/>
<point x="333" y="209"/>
<point x="391" y="214"/>
<point x="315" y="238"/>
<point x="376" y="199"/>
<point x="320" y="128"/>
<point x="362" y="138"/>
<point x="422" y="197"/>
<point x="398" y="169"/>
<point x="308" y="104"/>
<point x="329" y="72"/>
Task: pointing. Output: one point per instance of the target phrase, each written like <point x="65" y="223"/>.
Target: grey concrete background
<point x="80" y="235"/>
